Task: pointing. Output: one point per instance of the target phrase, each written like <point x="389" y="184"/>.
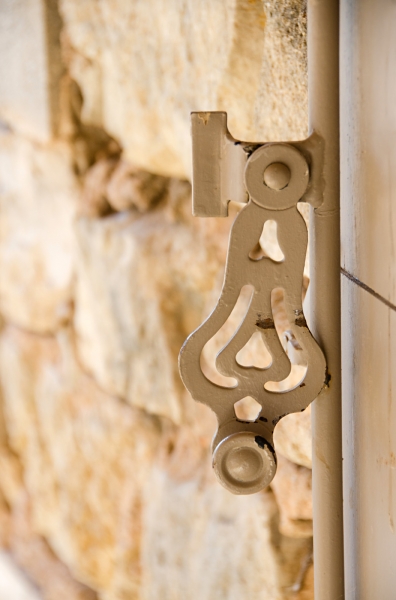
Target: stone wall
<point x="106" y="487"/>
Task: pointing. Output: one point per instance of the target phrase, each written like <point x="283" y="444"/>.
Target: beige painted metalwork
<point x="275" y="177"/>
<point x="324" y="316"/>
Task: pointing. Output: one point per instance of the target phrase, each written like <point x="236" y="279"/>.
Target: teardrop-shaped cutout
<point x="291" y="345"/>
<point x="268" y="244"/>
<point x="222" y="337"/>
<point x="294" y="379"/>
<point x="254" y="353"/>
<point x="247" y="409"/>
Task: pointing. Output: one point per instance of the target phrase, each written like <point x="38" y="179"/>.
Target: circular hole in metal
<point x="277" y="176"/>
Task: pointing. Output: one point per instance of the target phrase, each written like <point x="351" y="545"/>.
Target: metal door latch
<point x="270" y="179"/>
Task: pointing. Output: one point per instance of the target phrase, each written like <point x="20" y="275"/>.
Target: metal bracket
<point x="271" y="179"/>
<point x="219" y="161"/>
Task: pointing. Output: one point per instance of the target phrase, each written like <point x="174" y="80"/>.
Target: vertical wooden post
<point x="368" y="234"/>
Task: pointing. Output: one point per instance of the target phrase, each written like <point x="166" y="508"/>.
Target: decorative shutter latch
<point x="271" y="179"/>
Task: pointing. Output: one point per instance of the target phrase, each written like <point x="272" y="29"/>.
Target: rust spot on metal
<point x="277" y="419"/>
<point x="327" y="379"/>
<point x="300" y="321"/>
<point x="260" y="441"/>
<point x="265" y="323"/>
<point x="249" y="148"/>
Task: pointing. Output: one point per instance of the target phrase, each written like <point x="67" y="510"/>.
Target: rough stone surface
<point x="143" y="282"/>
<point x="30" y="66"/>
<point x="130" y="505"/>
<point x="38" y="199"/>
<point x="293" y="438"/>
<point x="85" y="457"/>
<point x="106" y="485"/>
<point x="293" y="490"/>
<point x="94" y="201"/>
<point x="140" y="290"/>
<point x="112" y="184"/>
<point x="26" y="549"/>
<point x="191" y="529"/>
<point x="282" y="107"/>
<point x="32" y="553"/>
<point x="242" y="56"/>
<point x="14" y="584"/>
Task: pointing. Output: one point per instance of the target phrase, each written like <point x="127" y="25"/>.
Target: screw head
<point x="277" y="176"/>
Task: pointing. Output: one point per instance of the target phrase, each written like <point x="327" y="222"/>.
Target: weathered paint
<point x="368" y="226"/>
<point x="324" y="317"/>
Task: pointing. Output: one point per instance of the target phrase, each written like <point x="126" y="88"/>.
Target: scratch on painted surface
<point x="204" y="117"/>
<point x="368" y="289"/>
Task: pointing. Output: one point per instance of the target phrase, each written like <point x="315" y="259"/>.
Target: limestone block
<point x="13" y="585"/>
<point x="94" y="200"/>
<point x="28" y="549"/>
<point x="292" y="486"/>
<point x="38" y="199"/>
<point x="144" y="66"/>
<point x="85" y="457"/>
<point x="141" y="286"/>
<point x="131" y="511"/>
<point x="293" y="438"/>
<point x="112" y="185"/>
<point x="130" y="187"/>
<point x="200" y="542"/>
<point x="32" y="553"/>
<point x="4" y="522"/>
<point x="30" y="66"/>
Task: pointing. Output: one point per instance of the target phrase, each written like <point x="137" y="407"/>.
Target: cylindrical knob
<point x="244" y="462"/>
